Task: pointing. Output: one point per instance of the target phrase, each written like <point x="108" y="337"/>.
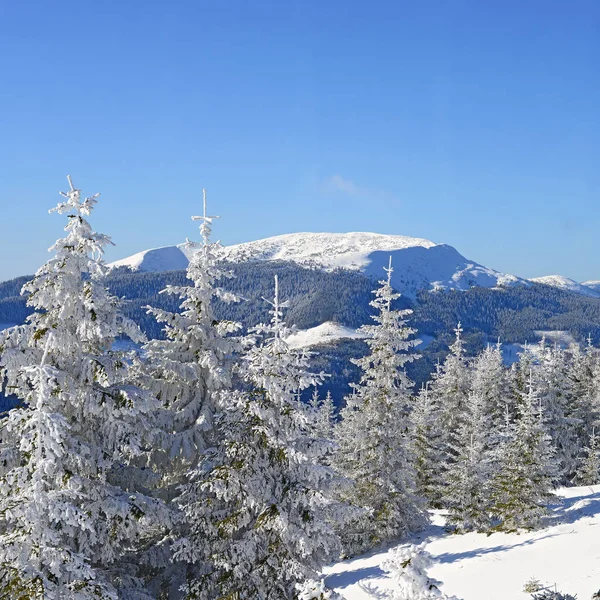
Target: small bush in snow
<point x="408" y="566"/>
<point x="315" y="590"/>
<point x="532" y="586"/>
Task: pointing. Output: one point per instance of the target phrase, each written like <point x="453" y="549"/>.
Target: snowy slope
<point x="480" y="567"/>
<point x="564" y="283"/>
<point x="326" y="333"/>
<point x="593" y="285"/>
<point x="168" y="258"/>
<point x="418" y="263"/>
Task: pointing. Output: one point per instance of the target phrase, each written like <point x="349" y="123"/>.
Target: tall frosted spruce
<point x="426" y="447"/>
<point x="67" y="530"/>
<point x="187" y="370"/>
<point x="525" y="467"/>
<point x="558" y="404"/>
<point x="466" y="493"/>
<point x="373" y="435"/>
<point x="260" y="511"/>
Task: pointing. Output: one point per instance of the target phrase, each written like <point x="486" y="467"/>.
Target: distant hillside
<point x="514" y="314"/>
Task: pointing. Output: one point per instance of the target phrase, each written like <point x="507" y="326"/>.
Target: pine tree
<point x="490" y="383"/>
<point x="450" y="390"/>
<point x="323" y="414"/>
<point x="584" y="404"/>
<point x="373" y="434"/>
<point x="556" y="397"/>
<point x="260" y="513"/>
<point x="466" y="493"/>
<point x="426" y="448"/>
<point x="187" y="370"/>
<point x="408" y="567"/>
<point x="525" y="468"/>
<point x="68" y="530"/>
<point x="589" y="464"/>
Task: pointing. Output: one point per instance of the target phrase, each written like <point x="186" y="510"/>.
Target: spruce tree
<point x="584" y="404"/>
<point x="450" y="389"/>
<point x="192" y="365"/>
<point x="373" y="435"/>
<point x="426" y="447"/>
<point x="408" y="566"/>
<point x="466" y="493"/>
<point x="323" y="414"/>
<point x="557" y="401"/>
<point x="260" y="510"/>
<point x="589" y="463"/>
<point x="186" y="372"/>
<point x="490" y="383"/>
<point x="525" y="468"/>
<point x="68" y="528"/>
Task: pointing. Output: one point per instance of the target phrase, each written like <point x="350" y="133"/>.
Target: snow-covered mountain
<point x="570" y="285"/>
<point x="592" y="285"/>
<point x="418" y="263"/>
<point x="167" y="258"/>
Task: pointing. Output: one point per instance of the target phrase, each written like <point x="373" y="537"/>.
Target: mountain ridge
<point x="418" y="263"/>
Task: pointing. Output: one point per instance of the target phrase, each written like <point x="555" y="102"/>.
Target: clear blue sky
<point x="474" y="123"/>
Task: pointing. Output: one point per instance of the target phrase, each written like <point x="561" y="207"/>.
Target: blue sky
<point x="471" y="123"/>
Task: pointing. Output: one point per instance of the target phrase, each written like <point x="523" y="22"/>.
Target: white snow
<point x="326" y="333"/>
<point x="593" y="284"/>
<point x="167" y="258"/>
<point x="480" y="567"/>
<point x="418" y="263"/>
<point x="567" y="284"/>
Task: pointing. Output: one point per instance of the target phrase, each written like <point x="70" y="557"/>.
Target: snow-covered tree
<point x="260" y="512"/>
<point x="186" y="372"/>
<point x="525" y="468"/>
<point x="316" y="590"/>
<point x="584" y="384"/>
<point x="408" y="566"/>
<point x="519" y="375"/>
<point x="556" y="396"/>
<point x="373" y="435"/>
<point x="466" y="493"/>
<point x="324" y="414"/>
<point x="490" y="384"/>
<point x="188" y="369"/>
<point x="427" y="452"/>
<point x="589" y="463"/>
<point x="450" y="390"/>
<point x="67" y="530"/>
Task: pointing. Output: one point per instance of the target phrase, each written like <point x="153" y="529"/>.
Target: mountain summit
<point x="418" y="263"/>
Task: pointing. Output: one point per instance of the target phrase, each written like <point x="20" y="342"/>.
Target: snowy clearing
<point x="495" y="567"/>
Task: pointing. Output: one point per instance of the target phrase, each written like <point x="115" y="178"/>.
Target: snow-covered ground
<point x="325" y="333"/>
<point x="480" y="567"/>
